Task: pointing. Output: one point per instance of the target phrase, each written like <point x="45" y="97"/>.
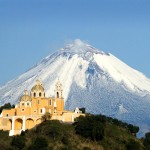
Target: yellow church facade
<point x="29" y="111"/>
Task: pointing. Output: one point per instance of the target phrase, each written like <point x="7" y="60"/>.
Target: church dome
<point x="25" y="97"/>
<point x="38" y="87"/>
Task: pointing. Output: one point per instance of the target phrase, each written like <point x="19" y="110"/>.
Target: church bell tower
<point x="58" y="90"/>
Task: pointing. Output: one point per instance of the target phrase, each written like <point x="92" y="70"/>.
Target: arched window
<point x="57" y="95"/>
<point x="40" y="94"/>
<point x="34" y="94"/>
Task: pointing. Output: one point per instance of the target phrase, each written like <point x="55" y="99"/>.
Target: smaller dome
<point x="38" y="87"/>
<point x="25" y="97"/>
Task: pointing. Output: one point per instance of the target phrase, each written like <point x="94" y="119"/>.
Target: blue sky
<point x="32" y="29"/>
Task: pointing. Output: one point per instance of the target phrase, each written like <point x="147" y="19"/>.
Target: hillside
<point x="53" y="135"/>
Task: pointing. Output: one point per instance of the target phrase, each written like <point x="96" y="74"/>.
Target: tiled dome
<point x="38" y="87"/>
<point x="25" y="97"/>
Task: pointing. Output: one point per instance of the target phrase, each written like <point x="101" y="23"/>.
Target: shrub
<point x="133" y="129"/>
<point x="86" y="148"/>
<point x="90" y="127"/>
<point x="46" y="116"/>
<point x="40" y="143"/>
<point x="147" y="141"/>
<point x="64" y="148"/>
<point x="133" y="145"/>
<point x="52" y="129"/>
<point x="65" y="140"/>
<point x="4" y="145"/>
<point x="18" y="142"/>
<point x="6" y="106"/>
<point x="97" y="132"/>
<point x="82" y="109"/>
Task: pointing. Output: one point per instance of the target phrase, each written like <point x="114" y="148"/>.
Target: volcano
<point x="91" y="78"/>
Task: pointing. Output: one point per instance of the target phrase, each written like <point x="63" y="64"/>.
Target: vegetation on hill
<point x="92" y="132"/>
<point x="111" y="133"/>
<point x="6" y="106"/>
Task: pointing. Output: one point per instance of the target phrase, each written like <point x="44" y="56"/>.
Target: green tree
<point x="83" y="110"/>
<point x="6" y="106"/>
<point x="133" y="129"/>
<point x="46" y="116"/>
<point x="97" y="131"/>
<point x="147" y="141"/>
<point x="133" y="145"/>
<point x="90" y="126"/>
<point x="18" y="142"/>
<point x="40" y="143"/>
<point x="52" y="129"/>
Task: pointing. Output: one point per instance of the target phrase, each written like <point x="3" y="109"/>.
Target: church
<point x="29" y="111"/>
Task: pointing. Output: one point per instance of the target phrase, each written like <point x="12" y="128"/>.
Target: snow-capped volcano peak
<point x="116" y="69"/>
<point x="80" y="47"/>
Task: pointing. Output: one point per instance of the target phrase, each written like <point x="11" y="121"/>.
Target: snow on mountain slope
<point x="120" y="72"/>
<point x="92" y="79"/>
